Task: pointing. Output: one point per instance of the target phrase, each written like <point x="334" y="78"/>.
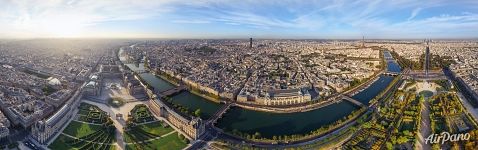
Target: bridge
<point x="219" y="113"/>
<point x="172" y="91"/>
<point x="431" y="75"/>
<point x="356" y="102"/>
<point x="388" y="73"/>
<point x="141" y="71"/>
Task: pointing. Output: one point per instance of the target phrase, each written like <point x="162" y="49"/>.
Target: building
<point x="278" y="97"/>
<point x="43" y="130"/>
<point x="58" y="98"/>
<point x="91" y="89"/>
<point x="21" y="108"/>
<point x="27" y="114"/>
<point x="192" y="127"/>
<point x="4" y="131"/>
<point x="427" y="59"/>
<point x="4" y="124"/>
<point x="110" y="71"/>
<point x="287" y="97"/>
<point x="250" y="42"/>
<point x="132" y="84"/>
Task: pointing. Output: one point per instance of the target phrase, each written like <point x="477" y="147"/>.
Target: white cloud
<point x="66" y="18"/>
<point x="33" y="18"/>
<point x="414" y="13"/>
<point x="192" y="21"/>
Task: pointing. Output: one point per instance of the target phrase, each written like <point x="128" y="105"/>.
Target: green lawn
<point x="170" y="142"/>
<point x="59" y="143"/>
<point x="78" y="129"/>
<point x="155" y="128"/>
<point x="146" y="132"/>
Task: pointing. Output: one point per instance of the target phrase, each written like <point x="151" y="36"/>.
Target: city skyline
<point x="322" y="19"/>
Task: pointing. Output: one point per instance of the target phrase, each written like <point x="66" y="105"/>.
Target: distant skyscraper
<point x="427" y="59"/>
<point x="250" y="42"/>
<point x="363" y="41"/>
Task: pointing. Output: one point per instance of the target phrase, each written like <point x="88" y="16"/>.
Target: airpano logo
<point x="445" y="136"/>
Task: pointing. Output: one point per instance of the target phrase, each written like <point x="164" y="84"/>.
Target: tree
<point x="257" y="135"/>
<point x="402" y="139"/>
<point x="197" y="113"/>
<point x="389" y="146"/>
<point x="181" y="136"/>
<point x="406" y="132"/>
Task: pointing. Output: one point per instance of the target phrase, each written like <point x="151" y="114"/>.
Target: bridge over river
<point x="172" y="91"/>
<point x="219" y="113"/>
<point x="354" y="101"/>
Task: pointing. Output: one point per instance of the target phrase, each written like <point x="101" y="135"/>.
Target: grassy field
<point x="155" y="128"/>
<point x="89" y="136"/>
<point x="89" y="141"/>
<point x="170" y="142"/>
<point x="78" y="129"/>
<point x="60" y="144"/>
<point x="146" y="132"/>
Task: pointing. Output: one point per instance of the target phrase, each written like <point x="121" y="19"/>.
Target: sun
<point x="63" y="29"/>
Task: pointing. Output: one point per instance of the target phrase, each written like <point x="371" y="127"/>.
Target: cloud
<point x="71" y="17"/>
<point x="414" y="13"/>
<point x="192" y="21"/>
<point x="31" y="18"/>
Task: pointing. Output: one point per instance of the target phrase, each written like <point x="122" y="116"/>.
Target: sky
<point x="321" y="19"/>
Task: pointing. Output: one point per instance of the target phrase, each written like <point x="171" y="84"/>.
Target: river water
<point x="266" y="123"/>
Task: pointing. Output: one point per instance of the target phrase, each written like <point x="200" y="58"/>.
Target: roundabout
<point x="116" y="102"/>
<point x="426" y="93"/>
<point x="427" y="89"/>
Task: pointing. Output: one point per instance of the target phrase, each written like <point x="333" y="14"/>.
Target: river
<point x="266" y="123"/>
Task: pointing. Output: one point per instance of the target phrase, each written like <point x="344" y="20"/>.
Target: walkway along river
<point x="267" y="123"/>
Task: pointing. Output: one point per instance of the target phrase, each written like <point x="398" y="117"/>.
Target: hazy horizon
<point x="232" y="19"/>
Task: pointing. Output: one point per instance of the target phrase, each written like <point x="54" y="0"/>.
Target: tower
<point x="427" y="58"/>
<point x="250" y="42"/>
<point x="363" y="41"/>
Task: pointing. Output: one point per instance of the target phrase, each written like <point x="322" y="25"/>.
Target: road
<point x="473" y="111"/>
<point x="209" y="135"/>
<point x="425" y="129"/>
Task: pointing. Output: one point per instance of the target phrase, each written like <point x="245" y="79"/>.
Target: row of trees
<point x="184" y="109"/>
<point x="436" y="61"/>
<point x="295" y="137"/>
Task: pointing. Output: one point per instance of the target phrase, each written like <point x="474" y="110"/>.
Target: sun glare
<point x="59" y="28"/>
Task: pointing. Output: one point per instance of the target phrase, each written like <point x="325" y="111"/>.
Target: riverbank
<point x="216" y="100"/>
<point x="303" y="108"/>
<point x="315" y="105"/>
<point x="287" y="141"/>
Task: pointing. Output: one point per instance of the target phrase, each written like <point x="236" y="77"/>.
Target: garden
<point x="91" y="114"/>
<point x="448" y="114"/>
<point x="144" y="131"/>
<point x="140" y="114"/>
<point x="93" y="130"/>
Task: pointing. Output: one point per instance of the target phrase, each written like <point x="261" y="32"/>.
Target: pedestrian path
<point x="152" y="139"/>
<point x="86" y="140"/>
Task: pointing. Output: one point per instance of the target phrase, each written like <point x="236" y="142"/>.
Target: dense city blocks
<point x="223" y="94"/>
<point x="238" y="75"/>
